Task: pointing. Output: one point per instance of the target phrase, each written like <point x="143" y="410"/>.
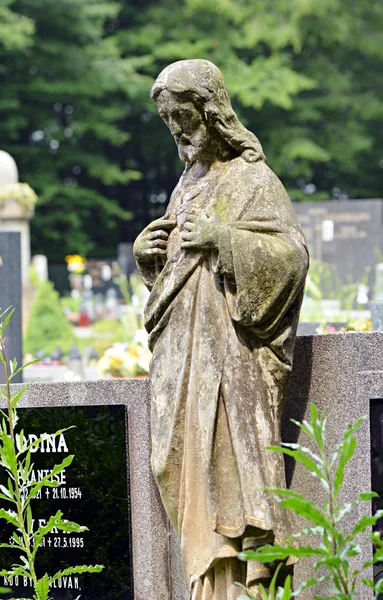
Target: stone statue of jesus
<point x="226" y="268"/>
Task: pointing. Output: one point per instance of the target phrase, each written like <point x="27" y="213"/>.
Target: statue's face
<point x="186" y="125"/>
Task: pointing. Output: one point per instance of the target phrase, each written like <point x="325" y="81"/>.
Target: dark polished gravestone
<point x="376" y="431"/>
<point x="10" y="294"/>
<point x="93" y="491"/>
<point x="127" y="472"/>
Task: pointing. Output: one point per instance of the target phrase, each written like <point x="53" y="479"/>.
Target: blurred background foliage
<point x="75" y="111"/>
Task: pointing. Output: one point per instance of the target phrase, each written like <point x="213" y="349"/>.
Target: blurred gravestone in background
<point x="10" y="294"/>
<point x="17" y="202"/>
<point x="348" y="234"/>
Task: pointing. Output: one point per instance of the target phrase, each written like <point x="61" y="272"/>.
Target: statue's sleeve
<point x="263" y="263"/>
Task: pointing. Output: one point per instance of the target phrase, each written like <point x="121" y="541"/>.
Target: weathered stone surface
<point x="226" y="268"/>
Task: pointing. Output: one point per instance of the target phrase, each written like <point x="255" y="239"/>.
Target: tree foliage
<point x="76" y="114"/>
<point x="47" y="326"/>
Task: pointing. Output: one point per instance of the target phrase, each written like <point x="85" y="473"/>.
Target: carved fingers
<point x="199" y="233"/>
<point x="153" y="241"/>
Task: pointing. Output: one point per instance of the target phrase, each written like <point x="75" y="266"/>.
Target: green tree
<point x="16" y="30"/>
<point x="302" y="75"/>
<point x="47" y="324"/>
<point x="76" y="114"/>
<point x="59" y="125"/>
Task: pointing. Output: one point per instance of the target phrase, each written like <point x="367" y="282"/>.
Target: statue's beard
<point x="188" y="153"/>
<point x="191" y="150"/>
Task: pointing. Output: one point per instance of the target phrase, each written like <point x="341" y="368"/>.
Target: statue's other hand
<point x="200" y="233"/>
<point x="153" y="241"/>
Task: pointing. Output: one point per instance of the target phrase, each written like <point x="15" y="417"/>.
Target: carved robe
<point x="222" y="326"/>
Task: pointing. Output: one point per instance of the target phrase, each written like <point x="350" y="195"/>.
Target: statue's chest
<point x="187" y="201"/>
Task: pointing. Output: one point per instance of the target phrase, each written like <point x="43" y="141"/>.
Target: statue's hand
<point x="200" y="233"/>
<point x="153" y="241"/>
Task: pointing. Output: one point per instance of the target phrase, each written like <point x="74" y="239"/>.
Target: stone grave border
<point x="339" y="372"/>
<point x="150" y="528"/>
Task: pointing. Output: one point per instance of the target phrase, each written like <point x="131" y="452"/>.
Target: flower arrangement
<point x="126" y="360"/>
<point x="358" y="325"/>
<point x="352" y="325"/>
<point x="21" y="192"/>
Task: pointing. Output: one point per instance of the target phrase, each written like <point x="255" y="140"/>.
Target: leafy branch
<point x="21" y="489"/>
<point x="336" y="546"/>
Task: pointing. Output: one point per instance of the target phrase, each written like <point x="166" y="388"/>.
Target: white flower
<point x="141" y="337"/>
<point x="144" y="362"/>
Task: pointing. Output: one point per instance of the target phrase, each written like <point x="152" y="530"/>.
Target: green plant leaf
<point x="29" y="520"/>
<point x="9" y="516"/>
<point x="287" y="589"/>
<point x="79" y="569"/>
<point x="47" y="436"/>
<point x="14" y="571"/>
<point x="310" y="582"/>
<point x="70" y="527"/>
<point x="15" y="399"/>
<point x="346" y="452"/>
<point x="43" y="530"/>
<point x="368" y="582"/>
<point x="42" y="588"/>
<point x="47" y="480"/>
<point x="366" y="522"/>
<point x="31" y="362"/>
<point x="300" y="457"/>
<point x="8" y="317"/>
<point x="308" y="510"/>
<point x="367" y="496"/>
<point x="8" y="454"/>
<point x="7" y="494"/>
<point x="270" y="553"/>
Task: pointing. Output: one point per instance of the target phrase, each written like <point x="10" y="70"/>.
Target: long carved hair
<point x="202" y="83"/>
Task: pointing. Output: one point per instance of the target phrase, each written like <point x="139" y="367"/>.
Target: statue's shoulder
<point x="251" y="174"/>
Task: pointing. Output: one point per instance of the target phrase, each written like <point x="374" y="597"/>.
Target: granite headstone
<point x="93" y="492"/>
<point x="340" y="373"/>
<point x="348" y="233"/>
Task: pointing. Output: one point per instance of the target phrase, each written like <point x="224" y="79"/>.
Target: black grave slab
<point x="376" y="430"/>
<point x="10" y="294"/>
<point x="93" y="492"/>
<point x="357" y="240"/>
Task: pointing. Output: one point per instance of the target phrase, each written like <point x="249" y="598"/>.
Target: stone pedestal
<point x="14" y="218"/>
<point x="16" y="208"/>
<point x="339" y="373"/>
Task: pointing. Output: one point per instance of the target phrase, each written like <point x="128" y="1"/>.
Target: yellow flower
<point x="115" y="362"/>
<point x="76" y="263"/>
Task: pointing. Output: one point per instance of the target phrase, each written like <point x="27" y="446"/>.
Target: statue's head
<point x="192" y="99"/>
